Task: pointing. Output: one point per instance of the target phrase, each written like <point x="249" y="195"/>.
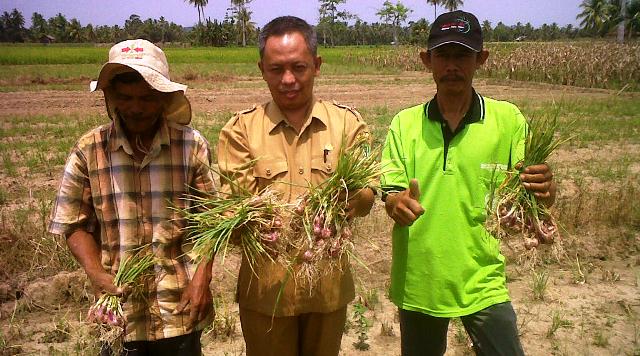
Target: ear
<point x="317" y="62"/>
<point x="425" y="56"/>
<point x="260" y="66"/>
<point x="481" y="58"/>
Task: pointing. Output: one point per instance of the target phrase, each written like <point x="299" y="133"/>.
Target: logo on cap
<point x="132" y="52"/>
<point x="461" y="25"/>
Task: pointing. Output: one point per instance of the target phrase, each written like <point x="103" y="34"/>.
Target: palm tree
<point x="435" y="5"/>
<point x="595" y="15"/>
<point x="58" y="26"/>
<point x="394" y="15"/>
<point x="243" y="15"/>
<point x="199" y="4"/>
<point x="633" y="16"/>
<point x="329" y="15"/>
<point x="487" y="31"/>
<point x="74" y="31"/>
<point x="452" y="5"/>
<point x="38" y="26"/>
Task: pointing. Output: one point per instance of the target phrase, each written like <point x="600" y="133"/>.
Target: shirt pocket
<point x="321" y="169"/>
<point x="269" y="170"/>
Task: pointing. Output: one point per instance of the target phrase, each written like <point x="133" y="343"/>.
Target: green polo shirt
<point x="446" y="264"/>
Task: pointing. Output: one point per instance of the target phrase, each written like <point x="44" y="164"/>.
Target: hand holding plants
<point x="359" y="202"/>
<point x="108" y="308"/>
<point x="102" y="282"/>
<point x="519" y="205"/>
<point x="538" y="179"/>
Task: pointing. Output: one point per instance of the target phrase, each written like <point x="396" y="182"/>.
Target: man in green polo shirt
<point x="443" y="157"/>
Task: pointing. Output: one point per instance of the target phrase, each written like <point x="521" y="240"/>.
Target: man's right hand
<point x="86" y="251"/>
<point x="102" y="282"/>
<point x="403" y="207"/>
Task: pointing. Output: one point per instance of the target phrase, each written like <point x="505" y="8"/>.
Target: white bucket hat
<point x="147" y="59"/>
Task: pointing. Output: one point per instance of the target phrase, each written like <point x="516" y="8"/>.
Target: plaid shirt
<point x="126" y="204"/>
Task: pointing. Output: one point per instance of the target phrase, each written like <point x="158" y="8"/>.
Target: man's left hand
<point x="538" y="179"/>
<point x="359" y="203"/>
<point x="197" y="296"/>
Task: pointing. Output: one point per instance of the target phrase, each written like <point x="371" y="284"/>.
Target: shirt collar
<point x="119" y="139"/>
<point x="276" y="117"/>
<point x="474" y="114"/>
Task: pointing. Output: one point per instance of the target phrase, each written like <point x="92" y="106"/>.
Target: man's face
<point x="289" y="69"/>
<point x="453" y="66"/>
<point x="139" y="106"/>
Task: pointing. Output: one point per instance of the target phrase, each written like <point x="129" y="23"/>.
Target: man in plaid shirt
<point x="119" y="183"/>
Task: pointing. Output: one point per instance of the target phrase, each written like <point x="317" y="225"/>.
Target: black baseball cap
<point x="456" y="27"/>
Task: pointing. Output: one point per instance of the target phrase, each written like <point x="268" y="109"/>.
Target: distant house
<point x="521" y="38"/>
<point x="46" y="39"/>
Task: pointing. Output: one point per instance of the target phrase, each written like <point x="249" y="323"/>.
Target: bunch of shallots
<point x="515" y="211"/>
<point x="323" y="210"/>
<point x="254" y="223"/>
<point x="107" y="312"/>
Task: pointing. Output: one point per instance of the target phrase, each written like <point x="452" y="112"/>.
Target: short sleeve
<point x="204" y="179"/>
<point x="394" y="176"/>
<point x="234" y="157"/>
<point x="519" y="138"/>
<point x="73" y="207"/>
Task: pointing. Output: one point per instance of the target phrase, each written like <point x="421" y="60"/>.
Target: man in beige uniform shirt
<point x="294" y="140"/>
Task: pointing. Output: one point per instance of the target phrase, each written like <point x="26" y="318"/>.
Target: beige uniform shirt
<point x="288" y="161"/>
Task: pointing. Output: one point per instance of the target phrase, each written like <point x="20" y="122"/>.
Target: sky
<point x="115" y="12"/>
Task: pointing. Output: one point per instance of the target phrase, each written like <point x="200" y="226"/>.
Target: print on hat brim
<point x="456" y="42"/>
<point x="153" y="78"/>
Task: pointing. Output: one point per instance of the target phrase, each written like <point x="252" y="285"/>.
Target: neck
<point x="141" y="142"/>
<point x="297" y="117"/>
<point x="454" y="105"/>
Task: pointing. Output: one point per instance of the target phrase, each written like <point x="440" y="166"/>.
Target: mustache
<point x="451" y="78"/>
<point x="136" y="116"/>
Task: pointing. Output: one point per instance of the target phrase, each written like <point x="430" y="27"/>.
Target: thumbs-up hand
<point x="404" y="207"/>
<point x="414" y="189"/>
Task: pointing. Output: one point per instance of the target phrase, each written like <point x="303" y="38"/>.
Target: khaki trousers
<point x="310" y="334"/>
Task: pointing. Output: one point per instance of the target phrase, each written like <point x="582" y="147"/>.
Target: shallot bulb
<point x="307" y="256"/>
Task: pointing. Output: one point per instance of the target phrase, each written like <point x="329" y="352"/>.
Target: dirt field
<point x="590" y="304"/>
<point x="412" y="89"/>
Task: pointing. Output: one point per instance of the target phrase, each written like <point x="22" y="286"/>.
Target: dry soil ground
<point x="589" y="306"/>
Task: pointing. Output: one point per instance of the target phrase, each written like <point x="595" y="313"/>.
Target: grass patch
<point x="72" y="67"/>
<point x="591" y="120"/>
<point x="378" y="118"/>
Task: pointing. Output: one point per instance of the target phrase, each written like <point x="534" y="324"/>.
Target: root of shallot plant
<point x="515" y="211"/>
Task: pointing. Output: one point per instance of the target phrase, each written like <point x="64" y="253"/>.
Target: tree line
<point x="335" y="26"/>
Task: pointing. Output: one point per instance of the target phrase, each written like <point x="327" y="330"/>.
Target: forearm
<point x="204" y="272"/>
<point x="86" y="251"/>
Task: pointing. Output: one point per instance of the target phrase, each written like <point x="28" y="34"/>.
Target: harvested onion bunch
<point x="253" y="223"/>
<point x="107" y="311"/>
<point x="322" y="211"/>
<point x="515" y="211"/>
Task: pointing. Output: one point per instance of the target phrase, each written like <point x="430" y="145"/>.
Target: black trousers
<point x="184" y="345"/>
<point x="493" y="331"/>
